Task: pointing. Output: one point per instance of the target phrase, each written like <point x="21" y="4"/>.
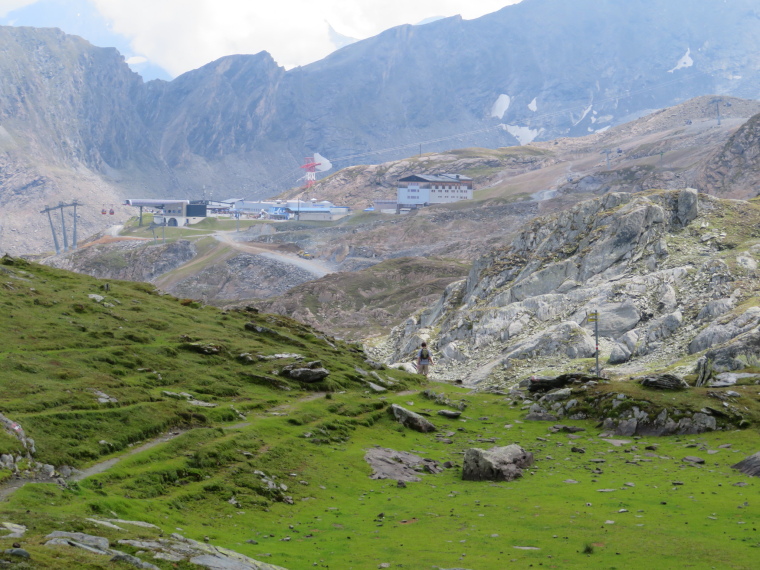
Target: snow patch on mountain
<point x="684" y="62"/>
<point x="500" y="106"/>
<point x="533" y="106"/>
<point x="583" y="116"/>
<point x="524" y="135"/>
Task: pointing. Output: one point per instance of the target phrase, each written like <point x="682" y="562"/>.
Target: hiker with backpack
<point x="424" y="359"/>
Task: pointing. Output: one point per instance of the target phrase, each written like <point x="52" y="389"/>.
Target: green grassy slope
<point x="209" y="480"/>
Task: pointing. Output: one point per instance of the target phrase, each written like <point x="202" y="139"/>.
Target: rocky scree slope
<point x="672" y="275"/>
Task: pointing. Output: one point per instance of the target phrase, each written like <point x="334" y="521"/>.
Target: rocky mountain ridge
<point x="671" y="274"/>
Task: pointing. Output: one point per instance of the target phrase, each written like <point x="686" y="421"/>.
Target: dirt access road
<point x="313" y="266"/>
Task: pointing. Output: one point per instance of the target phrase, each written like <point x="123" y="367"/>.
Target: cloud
<point x="181" y="35"/>
<point x="7" y="6"/>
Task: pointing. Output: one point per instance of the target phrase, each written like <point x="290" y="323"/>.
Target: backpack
<point x="425" y="354"/>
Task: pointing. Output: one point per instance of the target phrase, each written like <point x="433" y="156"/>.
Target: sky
<point x="175" y="36"/>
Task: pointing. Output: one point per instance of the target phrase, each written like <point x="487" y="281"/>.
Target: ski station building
<point x="420" y="190"/>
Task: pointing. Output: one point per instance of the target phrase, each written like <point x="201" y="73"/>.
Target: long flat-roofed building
<point x="423" y="189"/>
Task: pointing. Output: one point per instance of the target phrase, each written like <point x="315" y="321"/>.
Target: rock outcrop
<point x="659" y="281"/>
<point x="399" y="465"/>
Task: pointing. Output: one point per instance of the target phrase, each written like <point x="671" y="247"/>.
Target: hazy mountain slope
<point x="241" y="125"/>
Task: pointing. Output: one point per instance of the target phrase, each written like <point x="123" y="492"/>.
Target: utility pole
<point x="593" y="317"/>
<point x="61" y="206"/>
<point x="608" y="152"/>
<point x="63" y="227"/>
<point x="74" y="237"/>
<point x="717" y="101"/>
<point x="52" y="229"/>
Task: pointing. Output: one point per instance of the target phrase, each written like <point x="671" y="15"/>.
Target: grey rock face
<point x="495" y="464"/>
<point x="566" y="338"/>
<point x="616" y="319"/>
<point x="515" y="310"/>
<point x="688" y="206"/>
<point x="719" y="333"/>
<point x="411" y="420"/>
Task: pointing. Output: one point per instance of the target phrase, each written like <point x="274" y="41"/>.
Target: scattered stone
<point x="19" y="552"/>
<point x="105" y="524"/>
<point x="617" y="442"/>
<point x="449" y="414"/>
<point x="693" y="459"/>
<point x="411" y="420"/>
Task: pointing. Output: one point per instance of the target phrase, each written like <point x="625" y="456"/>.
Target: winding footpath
<point x="313" y="266"/>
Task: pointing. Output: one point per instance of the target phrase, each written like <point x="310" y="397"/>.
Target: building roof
<point x="436" y="178"/>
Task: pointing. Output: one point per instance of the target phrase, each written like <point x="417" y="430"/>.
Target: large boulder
<point x="308" y="375"/>
<point x="664" y="382"/>
<point x="619" y="354"/>
<point x="750" y="465"/>
<point x="495" y="464"/>
<point x="411" y="420"/>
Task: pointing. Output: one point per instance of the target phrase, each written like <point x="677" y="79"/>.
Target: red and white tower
<point x="311" y="171"/>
